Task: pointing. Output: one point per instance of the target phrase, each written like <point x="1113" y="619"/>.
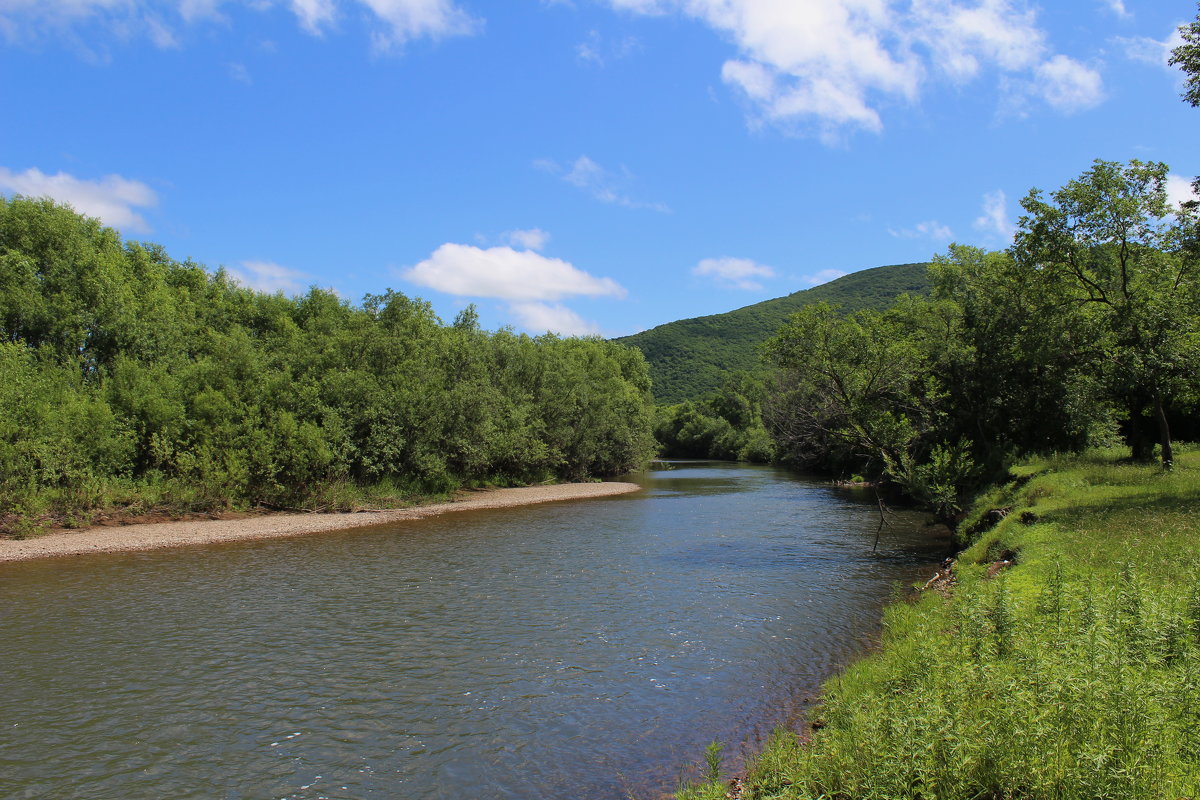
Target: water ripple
<point x="575" y="649"/>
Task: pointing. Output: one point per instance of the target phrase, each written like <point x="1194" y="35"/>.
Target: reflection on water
<point x="583" y="649"/>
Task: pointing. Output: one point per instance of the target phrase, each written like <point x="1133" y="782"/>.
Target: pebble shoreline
<point x="153" y="536"/>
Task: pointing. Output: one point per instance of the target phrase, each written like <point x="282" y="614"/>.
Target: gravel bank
<point x="173" y="534"/>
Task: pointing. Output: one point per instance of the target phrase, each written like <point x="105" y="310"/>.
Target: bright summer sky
<point x="582" y="166"/>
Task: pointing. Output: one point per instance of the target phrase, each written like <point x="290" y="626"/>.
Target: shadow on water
<point x="581" y="649"/>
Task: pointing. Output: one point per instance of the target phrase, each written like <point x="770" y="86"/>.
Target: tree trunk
<point x="1164" y="433"/>
<point x="1140" y="446"/>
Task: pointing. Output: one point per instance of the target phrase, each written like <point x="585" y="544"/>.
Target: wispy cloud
<point x="930" y="229"/>
<point x="597" y="51"/>
<point x="1149" y="50"/>
<point x="413" y="19"/>
<point x="531" y="239"/>
<point x="267" y="276"/>
<point x="736" y="273"/>
<point x="1117" y="7"/>
<point x="823" y="276"/>
<point x="994" y="219"/>
<point x="603" y="184"/>
<point x="113" y="199"/>
<point x="238" y="72"/>
<point x="392" y="22"/>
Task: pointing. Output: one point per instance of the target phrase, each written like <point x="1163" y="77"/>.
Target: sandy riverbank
<point x="173" y="534"/>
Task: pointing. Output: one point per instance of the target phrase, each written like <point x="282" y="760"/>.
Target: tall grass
<point x="1072" y="675"/>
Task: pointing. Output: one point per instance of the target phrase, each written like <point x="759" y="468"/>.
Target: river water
<point x="582" y="649"/>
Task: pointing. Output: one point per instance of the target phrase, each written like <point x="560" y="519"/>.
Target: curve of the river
<point x="581" y="649"/>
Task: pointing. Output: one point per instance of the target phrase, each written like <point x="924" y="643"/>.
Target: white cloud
<point x="585" y="173"/>
<point x="823" y="276"/>
<point x="531" y="282"/>
<point x="192" y="10"/>
<point x="993" y="31"/>
<point x="596" y="51"/>
<point x="557" y="318"/>
<point x="930" y="229"/>
<point x="162" y="36"/>
<point x="61" y="9"/>
<point x="1149" y="50"/>
<point x="412" y="19"/>
<point x="111" y="198"/>
<point x="589" y="51"/>
<point x="1068" y="85"/>
<point x="238" y="72"/>
<point x="1179" y="190"/>
<point x="532" y="239"/>
<point x="397" y="21"/>
<point x="739" y="273"/>
<point x="602" y="184"/>
<point x="314" y="14"/>
<point x="994" y="218"/>
<point x="267" y="276"/>
<point x="832" y="64"/>
<point x="1117" y="7"/>
<point x="518" y="275"/>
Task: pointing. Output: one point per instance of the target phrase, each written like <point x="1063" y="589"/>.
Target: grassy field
<point x="1072" y="673"/>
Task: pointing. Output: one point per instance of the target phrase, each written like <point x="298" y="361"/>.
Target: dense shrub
<point x="120" y="366"/>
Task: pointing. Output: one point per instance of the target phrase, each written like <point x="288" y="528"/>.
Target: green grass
<point x="1072" y="675"/>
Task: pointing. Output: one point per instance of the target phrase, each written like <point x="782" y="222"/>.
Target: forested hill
<point x="692" y="356"/>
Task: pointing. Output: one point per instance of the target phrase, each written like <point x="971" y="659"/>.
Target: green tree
<point x="1187" y="57"/>
<point x="844" y="396"/>
<point x="125" y="371"/>
<point x="1110" y="244"/>
<point x="1017" y="363"/>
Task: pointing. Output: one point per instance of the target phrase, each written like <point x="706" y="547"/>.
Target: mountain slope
<point x="692" y="356"/>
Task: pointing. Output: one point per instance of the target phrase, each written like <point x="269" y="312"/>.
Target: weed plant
<point x="1072" y="675"/>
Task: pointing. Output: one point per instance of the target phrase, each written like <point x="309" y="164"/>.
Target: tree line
<point x="124" y="372"/>
<point x="1086" y="331"/>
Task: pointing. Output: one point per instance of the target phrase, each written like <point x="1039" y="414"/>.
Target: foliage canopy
<point x="121" y="365"/>
<point x="690" y="357"/>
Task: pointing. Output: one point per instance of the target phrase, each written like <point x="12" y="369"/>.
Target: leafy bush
<point x="120" y="367"/>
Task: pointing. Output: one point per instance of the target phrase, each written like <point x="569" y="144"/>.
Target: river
<point x="583" y="650"/>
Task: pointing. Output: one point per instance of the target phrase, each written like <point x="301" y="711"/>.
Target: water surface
<point x="576" y="650"/>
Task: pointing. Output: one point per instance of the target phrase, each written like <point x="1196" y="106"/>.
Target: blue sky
<point x="585" y="166"/>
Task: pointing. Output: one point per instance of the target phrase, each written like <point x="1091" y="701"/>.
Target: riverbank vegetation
<point x="1086" y="332"/>
<point x="132" y="382"/>
<point x="724" y="424"/>
<point x="1062" y="664"/>
<point x="1058" y="658"/>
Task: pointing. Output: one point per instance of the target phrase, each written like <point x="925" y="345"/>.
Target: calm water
<point x="575" y="650"/>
